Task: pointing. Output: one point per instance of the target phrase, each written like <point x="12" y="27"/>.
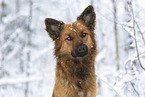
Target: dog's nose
<point x="81" y="50"/>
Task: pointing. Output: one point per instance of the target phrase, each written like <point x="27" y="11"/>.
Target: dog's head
<point x="75" y="40"/>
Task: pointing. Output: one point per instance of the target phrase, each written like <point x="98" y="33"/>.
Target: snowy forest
<point x="27" y="61"/>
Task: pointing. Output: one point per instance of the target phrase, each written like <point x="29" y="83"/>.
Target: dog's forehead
<point x="74" y="27"/>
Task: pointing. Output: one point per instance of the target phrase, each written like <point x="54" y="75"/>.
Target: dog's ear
<point x="88" y="17"/>
<point x="53" y="27"/>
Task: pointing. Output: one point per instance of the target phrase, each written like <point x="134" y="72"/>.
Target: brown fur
<point x="75" y="76"/>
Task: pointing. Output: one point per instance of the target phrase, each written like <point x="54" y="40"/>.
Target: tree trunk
<point x="28" y="47"/>
<point x="3" y="14"/>
<point x="116" y="32"/>
<point x="17" y="6"/>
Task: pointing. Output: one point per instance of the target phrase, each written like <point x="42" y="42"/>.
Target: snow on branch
<point x="10" y="39"/>
<point x="9" y="81"/>
<point x="41" y="53"/>
<point x="115" y="88"/>
<point x="134" y="30"/>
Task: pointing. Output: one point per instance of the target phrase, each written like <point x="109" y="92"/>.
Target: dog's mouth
<point x="80" y="51"/>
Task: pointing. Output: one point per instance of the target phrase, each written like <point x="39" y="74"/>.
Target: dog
<point x="75" y="51"/>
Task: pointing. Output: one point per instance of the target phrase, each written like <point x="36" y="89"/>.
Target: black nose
<point x="81" y="50"/>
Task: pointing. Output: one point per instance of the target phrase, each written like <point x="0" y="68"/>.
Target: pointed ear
<point x="88" y="17"/>
<point x="53" y="27"/>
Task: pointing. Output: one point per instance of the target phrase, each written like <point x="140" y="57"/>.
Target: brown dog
<point x="75" y="51"/>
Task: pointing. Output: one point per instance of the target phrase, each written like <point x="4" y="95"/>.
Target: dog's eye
<point x="69" y="38"/>
<point x="84" y="34"/>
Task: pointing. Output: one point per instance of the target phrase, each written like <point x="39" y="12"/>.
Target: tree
<point x="116" y="32"/>
<point x="28" y="46"/>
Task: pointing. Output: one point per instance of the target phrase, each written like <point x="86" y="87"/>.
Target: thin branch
<point x="140" y="32"/>
<point x="135" y="89"/>
<point x="136" y="44"/>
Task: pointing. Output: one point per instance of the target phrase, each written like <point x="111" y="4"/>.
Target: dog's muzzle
<point x="80" y="51"/>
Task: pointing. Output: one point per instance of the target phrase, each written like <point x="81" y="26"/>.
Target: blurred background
<point x="27" y="63"/>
